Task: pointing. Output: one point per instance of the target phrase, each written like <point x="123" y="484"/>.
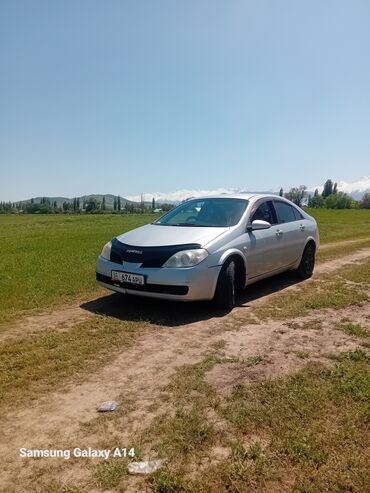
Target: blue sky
<point x="133" y="96"/>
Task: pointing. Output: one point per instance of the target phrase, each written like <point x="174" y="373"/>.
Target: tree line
<point x="82" y="206"/>
<point x="329" y="198"/>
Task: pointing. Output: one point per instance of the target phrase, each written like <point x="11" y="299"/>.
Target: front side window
<point x="219" y="213"/>
<point x="285" y="212"/>
<point x="265" y="212"/>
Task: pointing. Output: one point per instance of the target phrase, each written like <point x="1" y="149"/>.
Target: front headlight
<point x="105" y="253"/>
<point x="186" y="258"/>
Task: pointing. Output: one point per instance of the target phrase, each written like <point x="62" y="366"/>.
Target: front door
<point x="263" y="247"/>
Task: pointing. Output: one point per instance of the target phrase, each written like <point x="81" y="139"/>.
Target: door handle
<point x="279" y="232"/>
<point x="302" y="227"/>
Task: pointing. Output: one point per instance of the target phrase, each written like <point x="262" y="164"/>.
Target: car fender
<point x="229" y="253"/>
<point x="311" y="238"/>
<point x="308" y="239"/>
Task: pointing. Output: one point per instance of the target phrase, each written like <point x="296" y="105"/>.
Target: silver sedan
<point x="211" y="248"/>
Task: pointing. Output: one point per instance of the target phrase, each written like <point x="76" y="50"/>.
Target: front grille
<point x="150" y="288"/>
<point x="147" y="256"/>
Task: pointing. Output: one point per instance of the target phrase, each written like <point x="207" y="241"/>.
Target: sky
<point x="125" y="97"/>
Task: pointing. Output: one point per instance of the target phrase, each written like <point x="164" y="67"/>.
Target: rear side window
<point x="285" y="212"/>
<point x="298" y="215"/>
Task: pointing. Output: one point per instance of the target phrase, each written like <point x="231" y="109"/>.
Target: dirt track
<point x="137" y="374"/>
<point x="66" y="316"/>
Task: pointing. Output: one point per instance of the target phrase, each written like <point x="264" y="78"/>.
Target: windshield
<point x="215" y="213"/>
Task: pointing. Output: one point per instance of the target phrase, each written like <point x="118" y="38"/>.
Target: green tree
<point x="316" y="200"/>
<point x="365" y="201"/>
<point x="335" y="187"/>
<point x="328" y="188"/>
<point x="338" y="200"/>
<point x="153" y="204"/>
<point x="119" y="203"/>
<point x="296" y="194"/>
<point x="103" y="204"/>
<point x="92" y="205"/>
<point x="281" y="193"/>
<point x="41" y="208"/>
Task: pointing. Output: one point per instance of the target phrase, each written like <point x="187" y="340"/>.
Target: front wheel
<point x="307" y="263"/>
<point x="225" y="290"/>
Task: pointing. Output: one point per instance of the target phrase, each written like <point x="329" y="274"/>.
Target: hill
<point x="109" y="200"/>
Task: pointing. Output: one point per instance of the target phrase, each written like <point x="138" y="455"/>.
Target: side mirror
<point x="259" y="224"/>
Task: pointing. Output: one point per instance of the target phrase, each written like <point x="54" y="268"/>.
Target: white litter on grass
<point x="145" y="467"/>
<point x="107" y="406"/>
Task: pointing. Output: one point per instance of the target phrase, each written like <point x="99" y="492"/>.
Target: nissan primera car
<point x="211" y="248"/>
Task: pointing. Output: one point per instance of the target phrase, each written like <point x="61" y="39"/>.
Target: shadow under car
<point x="177" y="313"/>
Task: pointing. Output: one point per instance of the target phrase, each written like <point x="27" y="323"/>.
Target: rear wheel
<point x="307" y="263"/>
<point x="225" y="291"/>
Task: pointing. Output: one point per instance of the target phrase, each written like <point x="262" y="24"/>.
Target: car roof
<point x="245" y="196"/>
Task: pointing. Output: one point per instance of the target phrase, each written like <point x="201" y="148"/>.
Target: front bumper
<point x="182" y="284"/>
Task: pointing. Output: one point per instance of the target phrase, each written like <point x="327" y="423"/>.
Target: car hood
<point x="156" y="235"/>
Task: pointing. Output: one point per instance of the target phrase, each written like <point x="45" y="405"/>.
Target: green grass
<point x="334" y="251"/>
<point x="328" y="291"/>
<point x="48" y="260"/>
<point x="187" y="430"/>
<point x="305" y="433"/>
<point x="109" y="474"/>
<point x="51" y="259"/>
<point x="302" y="354"/>
<point x="354" y="330"/>
<point x="39" y="363"/>
<point x="340" y="225"/>
<point x="167" y="481"/>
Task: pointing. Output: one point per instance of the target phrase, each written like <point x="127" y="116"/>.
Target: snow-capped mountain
<point x="179" y="195"/>
<point x="355" y="188"/>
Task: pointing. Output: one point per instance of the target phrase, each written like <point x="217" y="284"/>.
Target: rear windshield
<point x="215" y="213"/>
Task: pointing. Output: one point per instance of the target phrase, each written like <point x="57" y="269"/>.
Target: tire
<point x="307" y="263"/>
<point x="225" y="291"/>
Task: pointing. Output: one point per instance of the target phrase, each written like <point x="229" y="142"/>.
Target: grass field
<point x="340" y="225"/>
<point x="50" y="259"/>
<point x="47" y="260"/>
<point x="304" y="431"/>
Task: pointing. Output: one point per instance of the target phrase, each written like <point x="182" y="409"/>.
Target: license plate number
<point x="125" y="277"/>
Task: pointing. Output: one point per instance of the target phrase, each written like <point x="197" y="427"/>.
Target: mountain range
<point x="109" y="200"/>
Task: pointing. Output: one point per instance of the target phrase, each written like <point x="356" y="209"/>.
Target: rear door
<point x="291" y="227"/>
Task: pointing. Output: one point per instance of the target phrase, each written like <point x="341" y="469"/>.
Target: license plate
<point x="127" y="278"/>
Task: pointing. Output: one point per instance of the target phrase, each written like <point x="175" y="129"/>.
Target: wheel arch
<point x="241" y="266"/>
<point x="310" y="241"/>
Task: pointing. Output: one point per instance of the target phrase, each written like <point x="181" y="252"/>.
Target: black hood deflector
<point x="154" y="256"/>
